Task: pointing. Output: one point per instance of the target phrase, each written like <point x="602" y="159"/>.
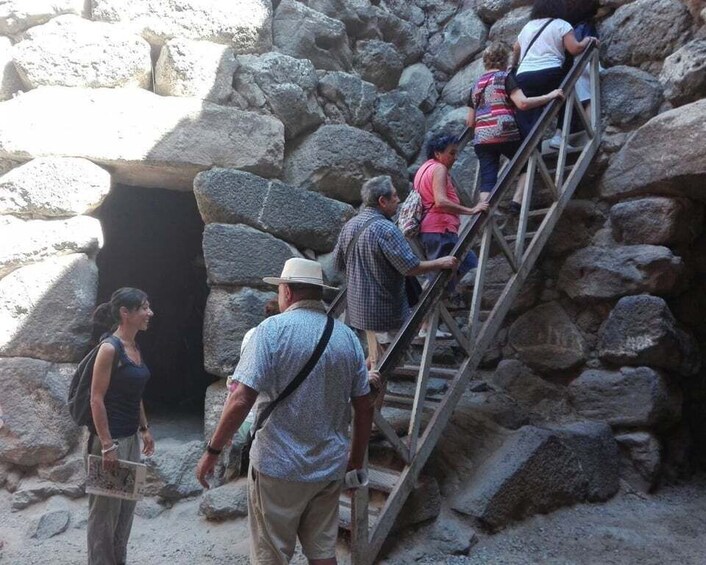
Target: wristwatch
<point x="213" y="450"/>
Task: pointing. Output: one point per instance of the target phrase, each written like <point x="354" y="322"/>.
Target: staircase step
<point x="406" y="402"/>
<point x="382" y="479"/>
<point x="345" y="510"/>
<point x="538" y="212"/>
<point x="528" y="235"/>
<point x="435" y="372"/>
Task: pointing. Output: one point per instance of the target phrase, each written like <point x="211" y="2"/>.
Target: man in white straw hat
<point x="301" y="449"/>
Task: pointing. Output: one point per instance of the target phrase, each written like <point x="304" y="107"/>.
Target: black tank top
<point x="122" y="399"/>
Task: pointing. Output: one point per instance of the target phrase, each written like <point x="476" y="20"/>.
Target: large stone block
<point x="229" y="315"/>
<point x="201" y="69"/>
<point x="643" y="166"/>
<point x="493" y="10"/>
<point x="641" y="330"/>
<point x="546" y="339"/>
<point x="684" y="73"/>
<point x="25" y="242"/>
<point x="419" y="84"/>
<point x="304" y="33"/>
<point x="463" y="37"/>
<point x="630" y="397"/>
<point x="53" y="187"/>
<point x="37" y="428"/>
<point x="400" y="123"/>
<point x="238" y="255"/>
<point x="596" y="273"/>
<point x="629" y="96"/>
<point x="245" y="25"/>
<point x="301" y="217"/>
<point x="458" y="89"/>
<point x="336" y="160"/>
<point x="171" y="469"/>
<point x="45" y="309"/>
<point x="509" y="26"/>
<point x="576" y="227"/>
<point x="285" y="84"/>
<point x="378" y="62"/>
<point x="216" y="395"/>
<point x="533" y="472"/>
<point x="226" y="502"/>
<point x="644" y="32"/>
<point x="353" y="98"/>
<point x="642" y="459"/>
<point x="10" y="82"/>
<point x="146" y="139"/>
<point x="357" y="15"/>
<point x="18" y="15"/>
<point x="409" y="39"/>
<point x="72" y="51"/>
<point x="657" y="221"/>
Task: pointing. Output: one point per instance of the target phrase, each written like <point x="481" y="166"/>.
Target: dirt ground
<point x="666" y="528"/>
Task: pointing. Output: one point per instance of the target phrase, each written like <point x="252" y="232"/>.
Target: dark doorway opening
<point x="153" y="242"/>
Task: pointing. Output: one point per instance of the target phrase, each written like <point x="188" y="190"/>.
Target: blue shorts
<point x="441" y="244"/>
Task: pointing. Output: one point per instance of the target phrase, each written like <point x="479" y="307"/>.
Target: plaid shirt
<point x="375" y="271"/>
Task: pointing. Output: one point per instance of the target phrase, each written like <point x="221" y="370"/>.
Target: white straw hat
<point x="302" y="271"/>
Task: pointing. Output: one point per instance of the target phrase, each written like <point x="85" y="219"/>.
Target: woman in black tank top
<point x="119" y="379"/>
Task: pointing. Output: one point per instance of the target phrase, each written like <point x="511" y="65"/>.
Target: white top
<point x="548" y="49"/>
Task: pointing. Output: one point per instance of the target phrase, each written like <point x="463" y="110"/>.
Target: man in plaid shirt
<point x="376" y="265"/>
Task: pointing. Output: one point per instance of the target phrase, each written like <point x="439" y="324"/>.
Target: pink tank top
<point x="434" y="220"/>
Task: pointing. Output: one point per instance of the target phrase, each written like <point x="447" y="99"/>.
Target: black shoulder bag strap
<point x="536" y="36"/>
<point x="296" y="381"/>
<point x="356" y="237"/>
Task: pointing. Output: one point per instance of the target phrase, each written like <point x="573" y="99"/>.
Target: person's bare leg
<point x="520" y="190"/>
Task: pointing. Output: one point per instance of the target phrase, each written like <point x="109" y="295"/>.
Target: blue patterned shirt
<point x="375" y="272"/>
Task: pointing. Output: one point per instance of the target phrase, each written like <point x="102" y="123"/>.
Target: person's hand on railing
<point x="480" y="208"/>
<point x="558" y="93"/>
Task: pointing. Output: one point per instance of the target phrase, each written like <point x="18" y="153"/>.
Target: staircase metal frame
<point x="368" y="536"/>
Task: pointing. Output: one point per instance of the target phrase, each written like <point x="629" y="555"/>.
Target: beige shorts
<point x="279" y="511"/>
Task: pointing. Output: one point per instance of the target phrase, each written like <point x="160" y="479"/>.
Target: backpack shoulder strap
<point x="356" y="237"/>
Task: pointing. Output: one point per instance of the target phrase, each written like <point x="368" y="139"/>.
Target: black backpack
<point x="79" y="401"/>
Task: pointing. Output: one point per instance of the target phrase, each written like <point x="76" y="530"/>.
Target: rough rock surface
<point x="400" y="123"/>
<point x="595" y="273"/>
<point x="378" y="62"/>
<point x="229" y="315"/>
<point x="238" y="255"/>
<point x="629" y="96"/>
<point x="643" y="32"/>
<point x="463" y="37"/>
<point x="643" y="167"/>
<point x="245" y="25"/>
<point x="37" y="427"/>
<point x="642" y="459"/>
<point x="10" y="82"/>
<point x="351" y="97"/>
<point x="657" y="221"/>
<point x="357" y="15"/>
<point x="418" y="82"/>
<point x="286" y="85"/>
<point x="336" y="160"/>
<point x="533" y="472"/>
<point x="493" y="10"/>
<point x="304" y="33"/>
<point x="225" y="502"/>
<point x="684" y="73"/>
<point x="171" y="469"/>
<point x="72" y="51"/>
<point x="458" y="89"/>
<point x="146" y="139"/>
<point x="408" y="38"/>
<point x="509" y="26"/>
<point x="35" y="240"/>
<point x="45" y="309"/>
<point x="50" y="524"/>
<point x="546" y="339"/>
<point x="32" y="490"/>
<point x="201" y="69"/>
<point x="630" y="397"/>
<point x="53" y="187"/>
<point x="576" y="226"/>
<point x="641" y="330"/>
<point x="302" y="217"/>
<point x="216" y="395"/>
<point x="19" y="15"/>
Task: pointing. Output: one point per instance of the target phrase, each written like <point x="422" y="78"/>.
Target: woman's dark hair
<point x="439" y="143"/>
<point x="107" y="315"/>
<point x="548" y="9"/>
<point x="578" y="11"/>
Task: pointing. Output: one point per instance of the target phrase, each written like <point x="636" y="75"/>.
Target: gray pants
<point x="110" y="519"/>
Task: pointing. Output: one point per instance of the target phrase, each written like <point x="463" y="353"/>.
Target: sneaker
<point x="439" y="334"/>
<point x="514" y="208"/>
<point x="555" y="143"/>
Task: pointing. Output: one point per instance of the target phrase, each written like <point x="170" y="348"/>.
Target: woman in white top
<point x="540" y="69"/>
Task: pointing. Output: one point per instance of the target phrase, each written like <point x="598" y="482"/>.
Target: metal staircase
<point x="552" y="178"/>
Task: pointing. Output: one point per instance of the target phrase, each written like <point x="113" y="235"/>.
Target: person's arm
<point x="99" y="386"/>
<point x="522" y="102"/>
<point x="363" y="411"/>
<point x="147" y="439"/>
<point x="448" y="262"/>
<point x="237" y="407"/>
<point x="442" y="201"/>
<point x="515" y="57"/>
<point x="577" y="47"/>
<point x="471" y="118"/>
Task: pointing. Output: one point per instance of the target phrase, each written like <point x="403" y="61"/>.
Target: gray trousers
<point x="110" y="519"/>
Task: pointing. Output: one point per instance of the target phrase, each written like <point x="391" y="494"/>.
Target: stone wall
<point x="274" y="114"/>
